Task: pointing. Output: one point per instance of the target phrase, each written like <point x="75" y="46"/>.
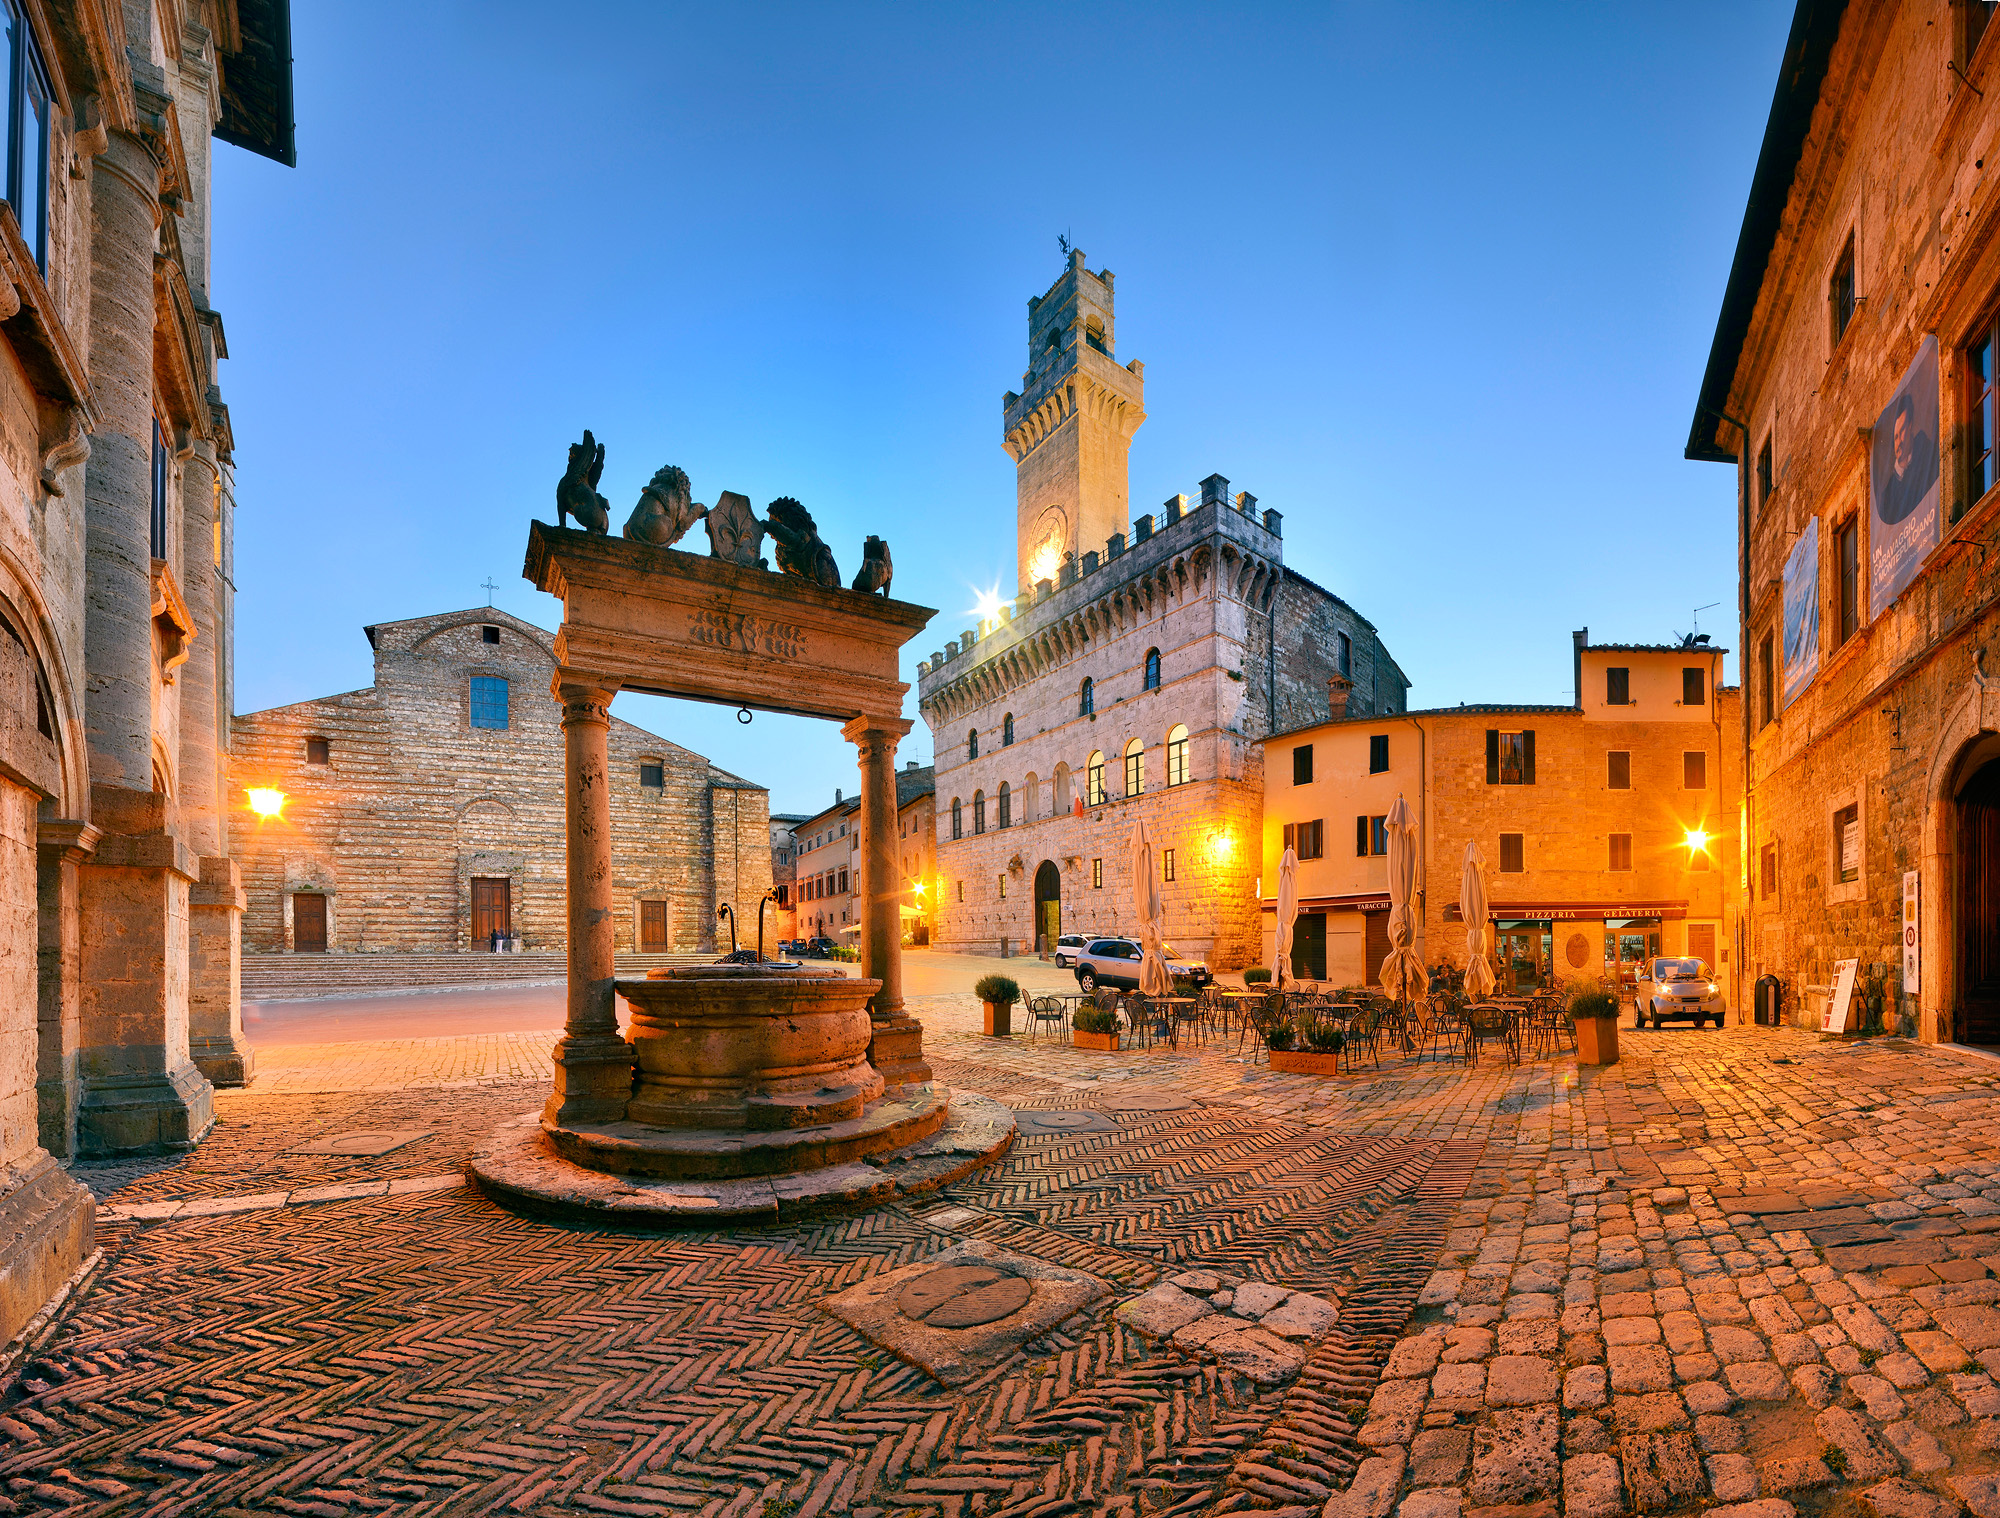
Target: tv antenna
<point x="1700" y="609"/>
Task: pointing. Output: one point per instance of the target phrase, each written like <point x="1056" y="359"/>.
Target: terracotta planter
<point x="999" y="1019"/>
<point x="1304" y="1062"/>
<point x="1107" y="1042"/>
<point x="1597" y="1040"/>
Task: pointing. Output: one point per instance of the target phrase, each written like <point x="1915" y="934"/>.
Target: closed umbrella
<point x="1402" y="971"/>
<point x="1288" y="914"/>
<point x="1472" y="906"/>
<point x="1153" y="977"/>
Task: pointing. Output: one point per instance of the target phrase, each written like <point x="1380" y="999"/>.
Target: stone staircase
<point x="288" y="977"/>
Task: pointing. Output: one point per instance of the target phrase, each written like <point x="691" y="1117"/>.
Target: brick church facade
<point x="1133" y="677"/>
<point x="425" y="813"/>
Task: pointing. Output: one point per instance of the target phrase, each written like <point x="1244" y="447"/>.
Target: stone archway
<point x="1048" y="904"/>
<point x="1974" y="948"/>
<point x="1968" y="737"/>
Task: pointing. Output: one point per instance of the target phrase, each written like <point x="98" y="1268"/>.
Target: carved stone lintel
<point x="173" y="623"/>
<point x="92" y="136"/>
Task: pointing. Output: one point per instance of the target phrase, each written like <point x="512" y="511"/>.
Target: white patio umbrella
<point x="1402" y="971"/>
<point x="1288" y="915"/>
<point x="1153" y="977"/>
<point x="1472" y="906"/>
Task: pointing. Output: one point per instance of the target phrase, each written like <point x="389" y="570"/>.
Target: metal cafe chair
<point x="1486" y="1023"/>
<point x="1049" y="1011"/>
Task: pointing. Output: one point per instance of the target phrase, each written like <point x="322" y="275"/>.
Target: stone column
<point x="61" y="845"/>
<point x="141" y="1091"/>
<point x="200" y="802"/>
<point x="593" y="1063"/>
<point x="216" y="1041"/>
<point x="118" y="485"/>
<point x="896" y="1047"/>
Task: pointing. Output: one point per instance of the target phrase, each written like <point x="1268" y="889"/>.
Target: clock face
<point x="1048" y="541"/>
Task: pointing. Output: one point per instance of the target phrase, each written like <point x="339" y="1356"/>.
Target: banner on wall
<point x="1802" y="613"/>
<point x="1903" y="478"/>
<point x="1912" y="958"/>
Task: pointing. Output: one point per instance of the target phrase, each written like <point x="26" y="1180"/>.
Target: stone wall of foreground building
<point x="427" y="810"/>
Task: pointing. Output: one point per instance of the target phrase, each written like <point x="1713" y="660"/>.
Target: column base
<point x="144" y="1114"/>
<point x="593" y="1080"/>
<point x="48" y="1227"/>
<point x="896" y="1048"/>
<point x="223" y="1061"/>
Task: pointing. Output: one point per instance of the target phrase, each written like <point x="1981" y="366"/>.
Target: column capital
<point x="867" y="731"/>
<point x="74" y="839"/>
<point x="584" y="695"/>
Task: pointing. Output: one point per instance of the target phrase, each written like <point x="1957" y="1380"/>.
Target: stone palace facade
<point x="426" y="812"/>
<point x="118" y="899"/>
<point x="1133" y="677"/>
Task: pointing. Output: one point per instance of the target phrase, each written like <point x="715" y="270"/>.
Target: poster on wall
<point x="1903" y="484"/>
<point x="1802" y="613"/>
<point x="1840" y="1005"/>
<point x="1912" y="960"/>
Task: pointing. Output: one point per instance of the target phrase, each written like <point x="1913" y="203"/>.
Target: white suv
<point x="1068" y="947"/>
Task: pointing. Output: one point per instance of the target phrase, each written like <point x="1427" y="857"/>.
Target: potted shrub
<point x="997" y="994"/>
<point x="1321" y="1055"/>
<point x="1094" y="1028"/>
<point x="1593" y="1008"/>
<point x="1256" y="975"/>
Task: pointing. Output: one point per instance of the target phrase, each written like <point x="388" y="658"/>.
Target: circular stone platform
<point x="520" y="1167"/>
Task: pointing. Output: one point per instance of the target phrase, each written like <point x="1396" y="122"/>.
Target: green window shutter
<point x="1493" y="756"/>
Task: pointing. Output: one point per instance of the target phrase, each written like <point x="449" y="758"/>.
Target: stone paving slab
<point x="1557" y="1291"/>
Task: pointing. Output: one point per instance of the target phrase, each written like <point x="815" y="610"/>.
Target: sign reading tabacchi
<point x="748" y="635"/>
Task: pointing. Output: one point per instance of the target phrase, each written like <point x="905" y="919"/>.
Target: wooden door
<point x="492" y="909"/>
<point x="652" y="927"/>
<point x="1374" y="944"/>
<point x="1979" y="907"/>
<point x="1701" y="943"/>
<point x="1309" y="944"/>
<point x="308" y="922"/>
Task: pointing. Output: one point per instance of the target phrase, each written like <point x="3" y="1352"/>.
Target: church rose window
<point x="489" y="701"/>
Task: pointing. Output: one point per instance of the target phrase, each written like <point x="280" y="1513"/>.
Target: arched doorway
<point x="1048" y="905"/>
<point x="1978" y="904"/>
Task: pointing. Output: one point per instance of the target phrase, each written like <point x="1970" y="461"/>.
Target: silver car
<point x="1114" y="962"/>
<point x="1665" y="988"/>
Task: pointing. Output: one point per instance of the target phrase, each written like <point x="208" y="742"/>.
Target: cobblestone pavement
<point x="1741" y="1267"/>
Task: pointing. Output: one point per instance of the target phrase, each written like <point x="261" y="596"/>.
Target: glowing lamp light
<point x="918" y="888"/>
<point x="1697" y="840"/>
<point x="988" y="604"/>
<point x="266" y="802"/>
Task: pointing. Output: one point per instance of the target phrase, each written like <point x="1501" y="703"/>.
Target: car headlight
<point x="1711" y="988"/>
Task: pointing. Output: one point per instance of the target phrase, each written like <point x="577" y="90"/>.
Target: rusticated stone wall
<point x="414" y="803"/>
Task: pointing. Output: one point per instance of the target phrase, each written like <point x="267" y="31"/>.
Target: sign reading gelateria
<point x="672" y="623"/>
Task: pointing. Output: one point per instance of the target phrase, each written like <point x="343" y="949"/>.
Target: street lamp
<point x="265" y="802"/>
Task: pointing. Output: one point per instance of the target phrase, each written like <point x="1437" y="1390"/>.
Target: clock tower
<point x="1070" y="429"/>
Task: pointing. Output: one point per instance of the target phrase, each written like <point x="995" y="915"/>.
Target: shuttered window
<point x="1510" y="757"/>
<point x="1302" y="764"/>
<point x="1619" y="777"/>
<point x="1621" y="851"/>
<point x="1310" y="836"/>
<point x="1694" y="771"/>
<point x="1694" y="687"/>
<point x="1511" y="852"/>
<point x="1378" y="754"/>
<point x="1618" y="687"/>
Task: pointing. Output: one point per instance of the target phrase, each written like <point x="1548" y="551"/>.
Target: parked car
<point x="1115" y="962"/>
<point x="819" y="948"/>
<point x="1665" y="988"/>
<point x="1068" y="947"/>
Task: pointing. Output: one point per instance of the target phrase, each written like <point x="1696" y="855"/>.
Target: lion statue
<point x="666" y="509"/>
<point x="799" y="549"/>
<point x="576" y="491"/>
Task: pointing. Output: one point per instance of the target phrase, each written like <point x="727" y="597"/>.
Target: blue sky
<point x="1436" y="281"/>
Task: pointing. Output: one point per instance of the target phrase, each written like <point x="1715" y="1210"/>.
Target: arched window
<point x="978" y="812"/>
<point x="1135" y="767"/>
<point x="1093" y="779"/>
<point x="1093" y="333"/>
<point x="1060" y="786"/>
<point x="957" y="819"/>
<point x="1152" y="669"/>
<point x="972" y="744"/>
<point x="1177" y="766"/>
<point x="1006" y="804"/>
<point x="1007" y="731"/>
<point x="1087" y="702"/>
<point x="1030" y="800"/>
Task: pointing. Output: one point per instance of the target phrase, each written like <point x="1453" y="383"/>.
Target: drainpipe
<point x="1748" y="830"/>
<point x="1423" y="820"/>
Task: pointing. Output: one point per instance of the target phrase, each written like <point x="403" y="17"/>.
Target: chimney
<point x="1579" y="639"/>
<point x="1338" y="689"/>
<point x="836" y="795"/>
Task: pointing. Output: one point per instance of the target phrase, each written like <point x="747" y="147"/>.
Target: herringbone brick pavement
<point x="434" y="1353"/>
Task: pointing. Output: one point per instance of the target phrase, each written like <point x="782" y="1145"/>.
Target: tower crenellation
<point x="1069" y="429"/>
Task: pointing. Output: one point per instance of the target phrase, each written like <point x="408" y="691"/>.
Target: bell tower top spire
<point x="1070" y="428"/>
